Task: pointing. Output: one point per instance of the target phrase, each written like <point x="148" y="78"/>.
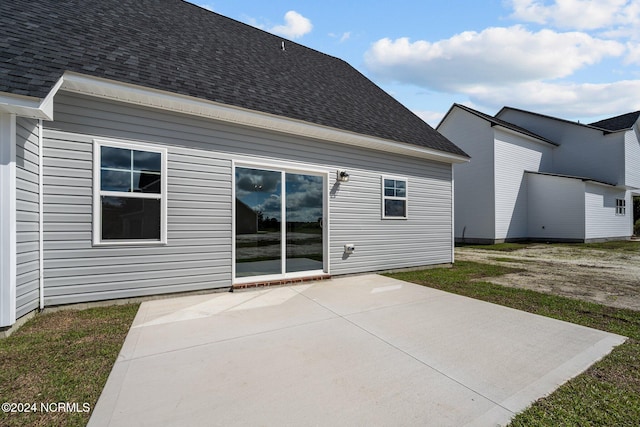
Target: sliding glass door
<point x="279" y="222"/>
<point x="304" y="209"/>
<point x="258" y="222"/>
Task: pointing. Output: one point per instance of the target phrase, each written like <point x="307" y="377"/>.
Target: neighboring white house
<point x="156" y="147"/>
<point x="535" y="177"/>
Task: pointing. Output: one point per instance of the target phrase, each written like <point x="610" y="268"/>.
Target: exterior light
<point x="342" y="176"/>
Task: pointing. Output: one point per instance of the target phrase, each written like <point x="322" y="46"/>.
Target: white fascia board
<point x="8" y="245"/>
<point x="133" y="94"/>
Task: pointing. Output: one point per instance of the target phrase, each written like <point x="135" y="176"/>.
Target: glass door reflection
<point x="269" y="214"/>
<point x="258" y="222"/>
<point x="304" y="243"/>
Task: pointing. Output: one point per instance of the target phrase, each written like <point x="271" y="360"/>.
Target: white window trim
<point x="405" y="198"/>
<point x="97" y="193"/>
<point x="621" y="207"/>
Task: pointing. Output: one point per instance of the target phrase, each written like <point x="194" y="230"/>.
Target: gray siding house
<point x="153" y="147"/>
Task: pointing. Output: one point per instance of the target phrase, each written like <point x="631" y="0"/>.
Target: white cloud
<point x="577" y="14"/>
<point x="566" y="100"/>
<point x="343" y="37"/>
<point x="633" y="54"/>
<point x="295" y="25"/>
<point x="431" y="117"/>
<point x="493" y="56"/>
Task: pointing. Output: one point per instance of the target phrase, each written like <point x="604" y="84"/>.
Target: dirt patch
<point x="607" y="277"/>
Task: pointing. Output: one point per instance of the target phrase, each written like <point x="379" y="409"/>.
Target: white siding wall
<point x="582" y="152"/>
<point x="556" y="207"/>
<point x="474" y="189"/>
<point x="513" y="156"/>
<point x="198" y="254"/>
<point x="632" y="158"/>
<point x="601" y="218"/>
<point x="27" y="217"/>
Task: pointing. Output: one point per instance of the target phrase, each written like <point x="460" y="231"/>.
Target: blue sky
<point x="574" y="59"/>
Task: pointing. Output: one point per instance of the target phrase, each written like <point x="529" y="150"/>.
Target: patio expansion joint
<point x="417" y="359"/>
<point x="224" y="340"/>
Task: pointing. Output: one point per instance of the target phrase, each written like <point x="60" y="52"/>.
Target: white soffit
<point x="123" y="92"/>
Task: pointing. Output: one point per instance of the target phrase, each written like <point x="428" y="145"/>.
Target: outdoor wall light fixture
<point x="342" y="176"/>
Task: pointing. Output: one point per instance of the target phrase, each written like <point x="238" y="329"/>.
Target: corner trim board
<point x="8" y="243"/>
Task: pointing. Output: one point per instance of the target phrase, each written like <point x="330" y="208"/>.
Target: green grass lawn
<point x="64" y="356"/>
<point x="607" y="394"/>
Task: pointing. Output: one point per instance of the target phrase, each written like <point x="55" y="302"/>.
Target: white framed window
<point x="129" y="193"/>
<point x="394" y="198"/>
<point x="621" y="207"/>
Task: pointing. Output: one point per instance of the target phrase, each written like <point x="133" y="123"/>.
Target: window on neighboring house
<point x="130" y="193"/>
<point x="394" y="198"/>
<point x="621" y="207"/>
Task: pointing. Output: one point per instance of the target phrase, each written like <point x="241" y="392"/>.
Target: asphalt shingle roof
<point x="175" y="46"/>
<point x="624" y="121"/>
<point x="499" y="122"/>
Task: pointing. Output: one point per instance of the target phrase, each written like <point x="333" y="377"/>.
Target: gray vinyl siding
<point x="27" y="217"/>
<point x="198" y="254"/>
<point x="424" y="238"/>
<point x="196" y="257"/>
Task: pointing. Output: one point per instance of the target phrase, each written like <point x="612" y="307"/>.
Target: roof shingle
<point x="499" y="122"/>
<point x="175" y="46"/>
<point x="624" y="121"/>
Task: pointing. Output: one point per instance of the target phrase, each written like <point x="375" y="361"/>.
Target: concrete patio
<point x="361" y="350"/>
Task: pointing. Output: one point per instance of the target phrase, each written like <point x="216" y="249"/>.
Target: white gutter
<point x="41" y="212"/>
<point x="27" y="106"/>
<point x="138" y="95"/>
<point x="123" y="92"/>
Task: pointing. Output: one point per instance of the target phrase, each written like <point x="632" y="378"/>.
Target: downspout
<point x="8" y="245"/>
<point x="453" y="218"/>
<point x="41" y="211"/>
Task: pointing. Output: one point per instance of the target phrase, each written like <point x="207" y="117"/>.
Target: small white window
<point x="394" y="198"/>
<point x="621" y="207"/>
<point x="129" y="193"/>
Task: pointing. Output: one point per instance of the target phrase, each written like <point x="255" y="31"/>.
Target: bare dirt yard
<point x="605" y="276"/>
